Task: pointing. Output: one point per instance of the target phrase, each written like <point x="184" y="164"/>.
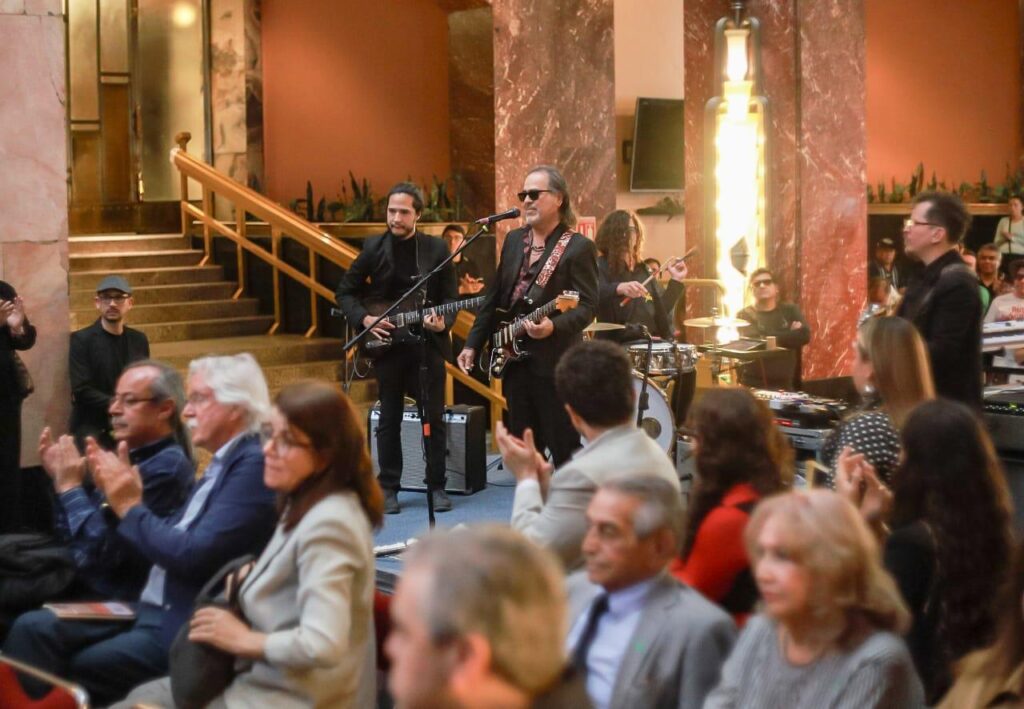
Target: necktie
<point x="582" y="649"/>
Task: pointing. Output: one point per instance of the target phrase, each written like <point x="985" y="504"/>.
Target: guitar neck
<point x="515" y="329"/>
<point x="413" y="317"/>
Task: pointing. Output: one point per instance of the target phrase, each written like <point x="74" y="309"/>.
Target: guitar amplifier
<point x="465" y="460"/>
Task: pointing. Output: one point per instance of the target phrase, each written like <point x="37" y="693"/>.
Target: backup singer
<point x="388" y="266"/>
<point x="529" y="384"/>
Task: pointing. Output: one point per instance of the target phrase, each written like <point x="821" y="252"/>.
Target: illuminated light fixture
<point x="735" y="159"/>
<point x="184" y="15"/>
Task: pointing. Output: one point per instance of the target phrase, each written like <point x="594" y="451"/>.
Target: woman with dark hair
<point x="305" y="638"/>
<point x="16" y="333"/>
<point x="621" y="271"/>
<point x="892" y="374"/>
<point x="951" y="533"/>
<point x="994" y="677"/>
<point x="741" y="457"/>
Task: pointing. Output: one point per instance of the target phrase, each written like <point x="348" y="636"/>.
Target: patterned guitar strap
<point x="541" y="281"/>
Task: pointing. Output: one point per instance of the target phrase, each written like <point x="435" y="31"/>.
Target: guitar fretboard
<point x="513" y="330"/>
<point x="414" y="316"/>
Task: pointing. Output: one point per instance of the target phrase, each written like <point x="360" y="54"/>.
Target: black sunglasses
<point x="763" y="282"/>
<point x="532" y="194"/>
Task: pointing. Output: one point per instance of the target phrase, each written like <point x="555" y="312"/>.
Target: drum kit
<point x="666" y="367"/>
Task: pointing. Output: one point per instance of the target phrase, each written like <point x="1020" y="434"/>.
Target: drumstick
<point x="654" y="275"/>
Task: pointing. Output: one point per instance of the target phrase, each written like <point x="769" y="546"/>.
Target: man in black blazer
<point x="388" y="266"/>
<point x="529" y="385"/>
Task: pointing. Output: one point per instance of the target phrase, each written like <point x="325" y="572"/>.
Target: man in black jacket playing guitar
<point x="524" y="282"/>
<point x="388" y="266"/>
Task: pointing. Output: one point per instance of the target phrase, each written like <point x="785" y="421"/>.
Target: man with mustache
<point x="99" y="353"/>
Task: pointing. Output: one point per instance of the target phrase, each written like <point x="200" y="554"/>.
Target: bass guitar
<point x="506" y="343"/>
<point x="373" y="346"/>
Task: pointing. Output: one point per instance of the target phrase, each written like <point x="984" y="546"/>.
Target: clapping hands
<point x="115" y="476"/>
<point x="61" y="461"/>
<point x="857" y="481"/>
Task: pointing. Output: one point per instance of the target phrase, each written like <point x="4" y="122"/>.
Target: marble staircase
<point x="187" y="310"/>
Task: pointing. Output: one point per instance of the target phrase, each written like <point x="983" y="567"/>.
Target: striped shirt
<point x="876" y="674"/>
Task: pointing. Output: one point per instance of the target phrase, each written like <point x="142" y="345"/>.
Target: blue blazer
<point x="238" y="517"/>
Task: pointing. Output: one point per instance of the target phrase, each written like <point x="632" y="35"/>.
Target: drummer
<point x="770" y="317"/>
<point x="621" y="271"/>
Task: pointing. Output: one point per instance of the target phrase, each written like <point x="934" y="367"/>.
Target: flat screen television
<point x="657" y="164"/>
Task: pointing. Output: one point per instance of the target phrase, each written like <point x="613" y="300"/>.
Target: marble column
<point x="34" y="200"/>
<point x="813" y="59"/>
<point x="554" y="98"/>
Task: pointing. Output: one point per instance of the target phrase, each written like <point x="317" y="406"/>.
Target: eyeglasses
<point x="762" y="282"/>
<point x="282" y="443"/>
<point x="198" y="398"/>
<point x="115" y="298"/>
<point x="534" y="195"/>
<point x="910" y="223"/>
<point x="127" y="400"/>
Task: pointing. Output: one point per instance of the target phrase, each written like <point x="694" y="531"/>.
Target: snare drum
<point x="667" y="358"/>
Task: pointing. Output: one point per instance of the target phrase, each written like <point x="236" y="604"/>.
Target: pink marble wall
<point x="817" y="238"/>
<point x="554" y="98"/>
<point x="33" y="199"/>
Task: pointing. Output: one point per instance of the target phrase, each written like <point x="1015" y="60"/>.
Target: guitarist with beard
<point x="524" y="282"/>
<point x="388" y="266"/>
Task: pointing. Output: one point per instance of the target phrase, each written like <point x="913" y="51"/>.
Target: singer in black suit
<point x="386" y="268"/>
<point x="528" y="384"/>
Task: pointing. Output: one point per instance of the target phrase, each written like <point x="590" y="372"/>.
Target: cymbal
<point x="603" y="326"/>
<point x="715" y="322"/>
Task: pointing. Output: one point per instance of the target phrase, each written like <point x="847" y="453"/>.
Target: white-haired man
<point x="478" y="622"/>
<point x="229" y="513"/>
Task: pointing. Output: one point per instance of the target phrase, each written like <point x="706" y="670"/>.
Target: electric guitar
<point x="506" y="341"/>
<point x="373" y="346"/>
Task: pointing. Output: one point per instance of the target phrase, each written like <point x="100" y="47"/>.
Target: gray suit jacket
<point x="677" y="650"/>
<point x="559" y="522"/>
<point x="311" y="591"/>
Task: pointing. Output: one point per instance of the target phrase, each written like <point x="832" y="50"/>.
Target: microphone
<point x="509" y="214"/>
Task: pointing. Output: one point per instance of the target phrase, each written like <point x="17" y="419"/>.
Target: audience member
<point x="1010" y="306"/>
<point x="993" y="678"/>
<point x="740" y="457"/>
<point x="884" y="265"/>
<point x="467" y="271"/>
<point x="479" y="621"/>
<point x="99" y="353"/>
<point x="551" y="509"/>
<point x="229" y="513"/>
<point x="988" y="273"/>
<point x="828" y="636"/>
<point x="16" y="333"/>
<point x="1009" y="237"/>
<point x="145" y="412"/>
<point x="892" y="376"/>
<point x="943" y="301"/>
<point x="951" y="534"/>
<point x="634" y="620"/>
<point x="769" y="317"/>
<point x="306" y="631"/>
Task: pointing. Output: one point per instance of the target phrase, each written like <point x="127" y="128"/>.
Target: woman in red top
<point x="741" y="457"/>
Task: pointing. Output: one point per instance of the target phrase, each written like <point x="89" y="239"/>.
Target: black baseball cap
<point x="886" y="243"/>
<point x="114" y="283"/>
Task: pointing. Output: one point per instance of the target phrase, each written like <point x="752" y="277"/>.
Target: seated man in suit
<point x="478" y="621"/>
<point x="631" y="617"/>
<point x="229" y="513"/>
<point x="594" y="380"/>
<point x="145" y="414"/>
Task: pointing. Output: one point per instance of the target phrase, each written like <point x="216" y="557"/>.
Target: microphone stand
<point x="642" y="403"/>
<point x="422" y="400"/>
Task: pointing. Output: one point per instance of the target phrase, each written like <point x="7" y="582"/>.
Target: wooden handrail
<point x="285" y="224"/>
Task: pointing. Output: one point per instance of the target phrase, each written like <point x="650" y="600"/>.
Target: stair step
<point x="116" y="263"/>
<point x="176" y="312"/>
<point x="126" y="243"/>
<point x="269" y="350"/>
<point x="154" y="295"/>
<point x="142" y="277"/>
<point x="207" y="329"/>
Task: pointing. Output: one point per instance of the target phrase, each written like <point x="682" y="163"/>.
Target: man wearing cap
<point x="884" y="264"/>
<point x="99" y="353"/>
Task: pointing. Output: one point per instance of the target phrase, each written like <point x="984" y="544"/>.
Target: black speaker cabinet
<point x="465" y="461"/>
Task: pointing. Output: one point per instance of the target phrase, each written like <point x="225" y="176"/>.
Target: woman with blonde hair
<point x="892" y="374"/>
<point x="829" y="633"/>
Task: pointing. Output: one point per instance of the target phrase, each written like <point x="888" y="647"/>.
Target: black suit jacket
<point x="577" y="271"/>
<point x="372" y="275"/>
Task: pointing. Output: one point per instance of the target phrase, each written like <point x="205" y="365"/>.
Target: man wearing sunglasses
<point x="943" y="300"/>
<point x="768" y="317"/>
<point x="99" y="353"/>
<point x="518" y="287"/>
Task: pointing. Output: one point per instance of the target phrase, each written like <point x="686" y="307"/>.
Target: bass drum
<point x="658" y="421"/>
